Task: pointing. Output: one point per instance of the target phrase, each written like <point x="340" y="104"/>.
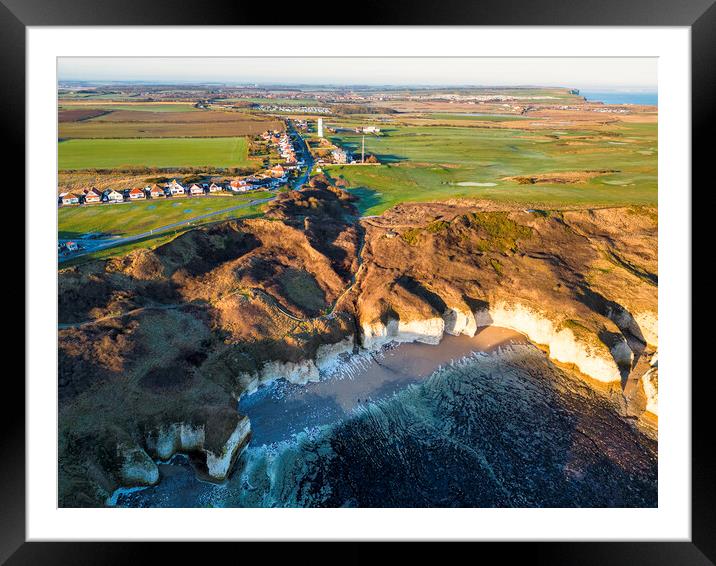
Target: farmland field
<point x="141" y="124"/>
<point x="137" y="217"/>
<point x="479" y="117"/>
<point x="79" y="114"/>
<point x="275" y="101"/>
<point x="143" y="107"/>
<point x="433" y="163"/>
<point x="91" y="129"/>
<point x="153" y="152"/>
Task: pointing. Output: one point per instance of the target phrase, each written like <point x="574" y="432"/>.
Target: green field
<point x="152" y="152"/>
<point x="138" y="217"/>
<point x="422" y="163"/>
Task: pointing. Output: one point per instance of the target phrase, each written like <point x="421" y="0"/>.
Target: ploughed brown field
<point x="137" y="124"/>
<point x="79" y="114"/>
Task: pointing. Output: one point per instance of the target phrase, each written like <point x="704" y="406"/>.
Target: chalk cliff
<point x="166" y="341"/>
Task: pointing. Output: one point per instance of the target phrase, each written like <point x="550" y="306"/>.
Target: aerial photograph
<point x="357" y="282"/>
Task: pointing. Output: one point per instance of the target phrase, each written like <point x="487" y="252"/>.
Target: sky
<point x="618" y="73"/>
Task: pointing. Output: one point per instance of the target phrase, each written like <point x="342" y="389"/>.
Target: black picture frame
<point x="699" y="15"/>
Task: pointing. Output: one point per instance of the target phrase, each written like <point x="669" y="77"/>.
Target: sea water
<point x="621" y="97"/>
<point x="480" y="422"/>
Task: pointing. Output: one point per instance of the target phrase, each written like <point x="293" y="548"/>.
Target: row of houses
<point x="284" y="145"/>
<point x="172" y="189"/>
<point x="272" y="178"/>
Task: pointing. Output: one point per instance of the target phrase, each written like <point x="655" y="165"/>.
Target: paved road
<point x="105" y="244"/>
<point x="306" y="156"/>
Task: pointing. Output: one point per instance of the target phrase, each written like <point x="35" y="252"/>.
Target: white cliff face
<point x="176" y="437"/>
<point x="427" y="331"/>
<point x="219" y="465"/>
<point x="183" y="437"/>
<point x="648" y="323"/>
<point x="299" y="373"/>
<point x="650" y="383"/>
<point x="328" y="355"/>
<point x="458" y="322"/>
<point x="593" y="359"/>
<point x="137" y="467"/>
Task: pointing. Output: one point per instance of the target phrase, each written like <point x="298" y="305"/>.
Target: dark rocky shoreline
<point x="508" y="429"/>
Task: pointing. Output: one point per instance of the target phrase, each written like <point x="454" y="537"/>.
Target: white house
<point x="195" y="190"/>
<point x="240" y="186"/>
<point x="175" y="188"/>
<point x="214" y="188"/>
<point x="110" y="195"/>
<point x="92" y="195"/>
<point x="69" y="198"/>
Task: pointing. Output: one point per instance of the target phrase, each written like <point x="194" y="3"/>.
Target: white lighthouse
<point x="320" y="127"/>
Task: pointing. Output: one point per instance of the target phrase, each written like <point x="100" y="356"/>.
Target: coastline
<point x="507" y="355"/>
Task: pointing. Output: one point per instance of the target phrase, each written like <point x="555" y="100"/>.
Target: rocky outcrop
<point x="176" y="437"/>
<point x="223" y="309"/>
<point x="459" y="321"/>
<point x="648" y="325"/>
<point x="187" y="438"/>
<point x="137" y="468"/>
<point x="650" y="383"/>
<point x="300" y="373"/>
<point x="582" y="284"/>
<point x="219" y="465"/>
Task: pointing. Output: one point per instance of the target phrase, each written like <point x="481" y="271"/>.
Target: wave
<point x="507" y="429"/>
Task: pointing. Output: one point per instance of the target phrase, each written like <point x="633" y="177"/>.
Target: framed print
<point x="360" y="283"/>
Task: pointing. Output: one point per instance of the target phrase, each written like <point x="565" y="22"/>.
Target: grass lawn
<point x="422" y="163"/>
<point x="137" y="217"/>
<point x="155" y="240"/>
<point x="153" y="152"/>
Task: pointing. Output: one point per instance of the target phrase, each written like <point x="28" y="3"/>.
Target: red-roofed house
<point x="136" y="194"/>
<point x="239" y="186"/>
<point x="70" y="198"/>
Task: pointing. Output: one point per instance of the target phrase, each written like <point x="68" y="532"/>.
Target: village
<point x="272" y="178"/>
<point x="285" y="144"/>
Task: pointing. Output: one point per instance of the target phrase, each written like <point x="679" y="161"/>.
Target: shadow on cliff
<point x="414" y="287"/>
<point x="622" y="318"/>
<point x="630" y="331"/>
